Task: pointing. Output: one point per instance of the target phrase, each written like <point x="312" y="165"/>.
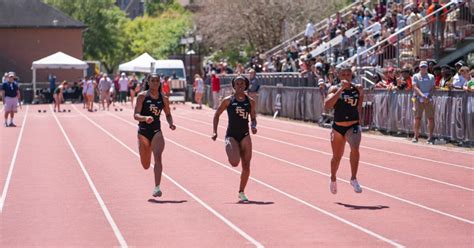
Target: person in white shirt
<point x="309" y="32"/>
<point x="104" y="88"/>
<point x="123" y="84"/>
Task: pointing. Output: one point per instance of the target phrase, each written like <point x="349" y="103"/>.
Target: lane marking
<point x="107" y="214"/>
<point x="360" y="228"/>
<point x="12" y="163"/>
<point x="347" y="158"/>
<point x="366" y="147"/>
<point x="205" y="205"/>
<point x="346" y="181"/>
<point x="371" y="136"/>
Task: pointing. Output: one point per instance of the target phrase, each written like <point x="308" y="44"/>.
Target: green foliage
<point x="159" y="36"/>
<point x="158" y="7"/>
<point x="112" y="38"/>
<point x="232" y="54"/>
<point x="103" y="38"/>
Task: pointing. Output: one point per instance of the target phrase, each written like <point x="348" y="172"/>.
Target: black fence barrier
<point x="390" y="111"/>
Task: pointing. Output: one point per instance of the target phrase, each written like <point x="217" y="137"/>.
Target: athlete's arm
<point x="138" y="109"/>
<point x="167" y="110"/>
<point x="220" y="109"/>
<point x="253" y="116"/>
<point x="334" y="94"/>
<point x="360" y="88"/>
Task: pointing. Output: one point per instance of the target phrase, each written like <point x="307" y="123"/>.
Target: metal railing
<point x="404" y="46"/>
<point x="321" y="25"/>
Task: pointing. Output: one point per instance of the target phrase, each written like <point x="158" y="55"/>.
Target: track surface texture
<point x="75" y="179"/>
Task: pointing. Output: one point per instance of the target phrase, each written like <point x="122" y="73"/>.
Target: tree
<point x="159" y="35"/>
<point x="103" y="38"/>
<point x="262" y="24"/>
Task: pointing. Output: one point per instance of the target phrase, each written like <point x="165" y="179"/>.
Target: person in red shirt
<point x="215" y="87"/>
<point x="166" y="87"/>
<point x="438" y="76"/>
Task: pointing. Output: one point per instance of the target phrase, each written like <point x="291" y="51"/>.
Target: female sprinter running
<point x="148" y="109"/>
<point x="238" y="144"/>
<point x="58" y="95"/>
<point x="346" y="99"/>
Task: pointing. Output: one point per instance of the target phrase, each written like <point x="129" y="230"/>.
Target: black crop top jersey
<point x="151" y="107"/>
<point x="346" y="108"/>
<point x="238" y="114"/>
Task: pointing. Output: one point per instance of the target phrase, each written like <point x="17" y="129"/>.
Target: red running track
<point x="75" y="180"/>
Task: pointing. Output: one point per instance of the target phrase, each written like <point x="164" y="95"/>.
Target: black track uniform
<point x="346" y="109"/>
<point x="238" y="114"/>
<point x="151" y="107"/>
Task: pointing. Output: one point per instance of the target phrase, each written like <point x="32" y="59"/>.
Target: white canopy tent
<point x="143" y="63"/>
<point x="58" y="60"/>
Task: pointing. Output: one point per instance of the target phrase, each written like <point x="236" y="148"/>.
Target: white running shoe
<point x="243" y="197"/>
<point x="333" y="187"/>
<point x="157" y="192"/>
<point x="356" y="186"/>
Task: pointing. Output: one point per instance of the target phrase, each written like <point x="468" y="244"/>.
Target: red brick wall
<point x="20" y="47"/>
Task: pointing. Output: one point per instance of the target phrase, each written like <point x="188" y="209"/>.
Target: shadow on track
<point x="356" y="207"/>
<point x="166" y="202"/>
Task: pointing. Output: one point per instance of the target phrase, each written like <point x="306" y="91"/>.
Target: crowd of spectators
<point x="368" y="25"/>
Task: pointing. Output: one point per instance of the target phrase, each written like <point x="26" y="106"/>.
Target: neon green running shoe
<point x="243" y="197"/>
<point x="157" y="192"/>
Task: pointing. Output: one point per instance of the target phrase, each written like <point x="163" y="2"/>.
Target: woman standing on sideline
<point x="132" y="87"/>
<point x="89" y="89"/>
<point x="238" y="144"/>
<point x="58" y="95"/>
<point x="198" y="90"/>
<point x="148" y="109"/>
<point x="346" y="99"/>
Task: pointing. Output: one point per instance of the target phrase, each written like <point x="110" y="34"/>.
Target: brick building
<point x="31" y="30"/>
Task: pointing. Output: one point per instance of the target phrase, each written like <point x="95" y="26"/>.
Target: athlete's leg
<point x="246" y="156"/>
<point x="233" y="151"/>
<point x="337" y="144"/>
<point x="353" y="137"/>
<point x="144" y="148"/>
<point x="157" y="146"/>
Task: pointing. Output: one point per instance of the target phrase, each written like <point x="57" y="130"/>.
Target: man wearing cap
<point x="123" y="87"/>
<point x="423" y="86"/>
<point x="10" y="96"/>
<point x="457" y="81"/>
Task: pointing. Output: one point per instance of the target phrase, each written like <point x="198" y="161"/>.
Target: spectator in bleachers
<point x="309" y="33"/>
<point x="461" y="80"/>
<point x="446" y="82"/>
<point x="437" y="25"/>
<point x="405" y="81"/>
<point x="423" y="85"/>
<point x="417" y="36"/>
<point x="469" y="87"/>
<point x="438" y="76"/>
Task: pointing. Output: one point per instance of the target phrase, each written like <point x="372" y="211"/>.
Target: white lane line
<point x="347" y="158"/>
<point x="360" y="228"/>
<point x="12" y="163"/>
<point x="205" y="205"/>
<point x="367" y="147"/>
<point x="107" y="214"/>
<point x="346" y="181"/>
<point x="383" y="138"/>
<point x="374" y="149"/>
